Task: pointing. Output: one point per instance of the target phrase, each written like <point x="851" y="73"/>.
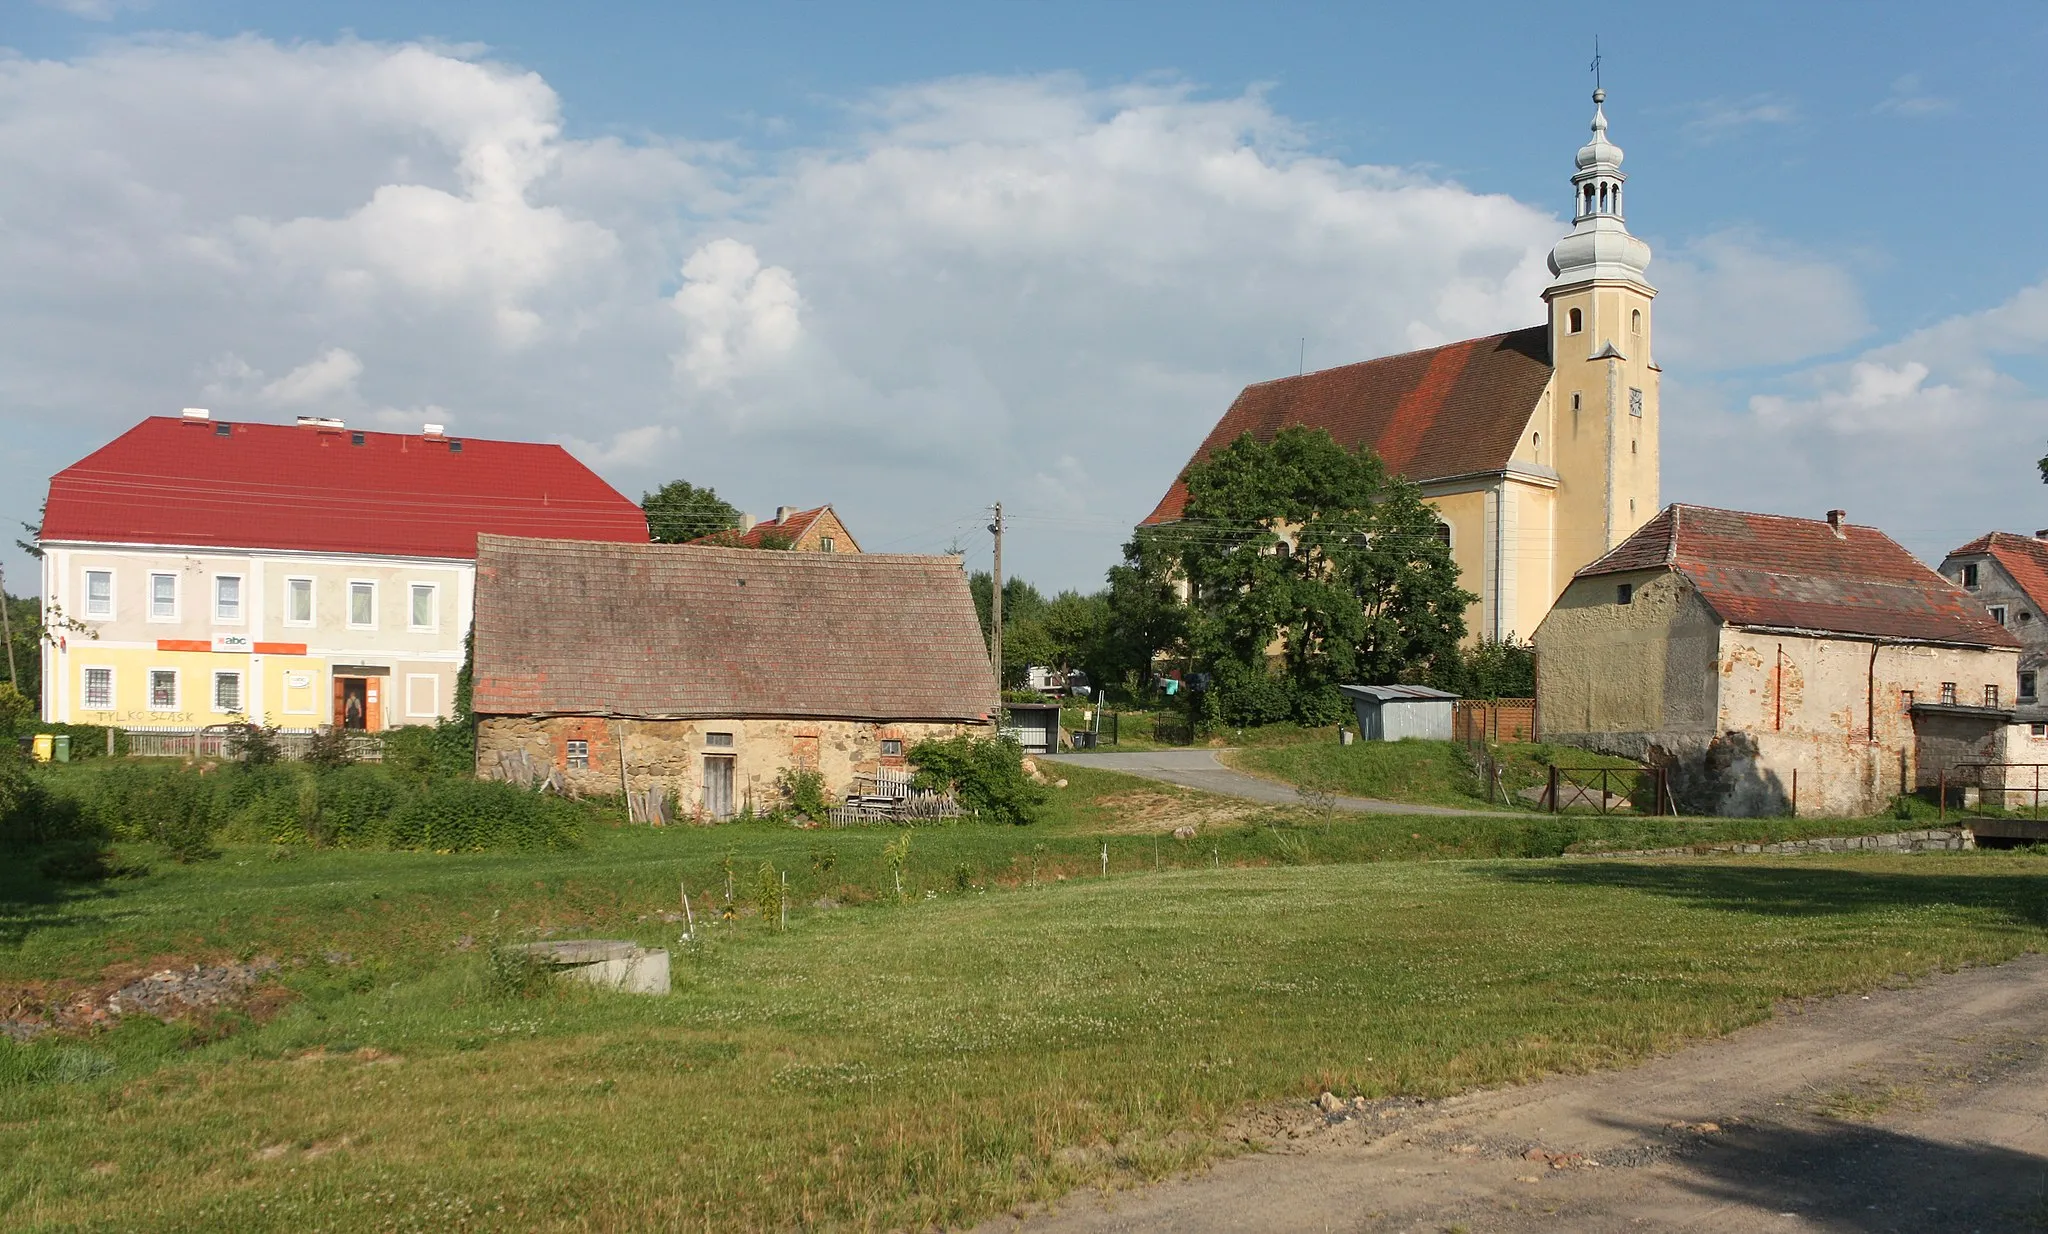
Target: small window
<point x="2027" y="687"/>
<point x="163" y="597"/>
<point x="1635" y="321"/>
<point x="825" y="545"/>
<point x="1575" y="400"/>
<point x="99" y="689"/>
<point x="227" y="597"/>
<point x="362" y="605"/>
<point x="425" y="606"/>
<point x="298" y="601"/>
<point x="718" y="741"/>
<point x="579" y="755"/>
<point x="1635" y="402"/>
<point x="1948" y="693"/>
<point x="163" y="689"/>
<point x="454" y="447"/>
<point x="1970" y="576"/>
<point x="1905" y="700"/>
<point x="892" y="747"/>
<point x="1625" y="593"/>
<point x="99" y="593"/>
<point x="2037" y="730"/>
<point x="1574" y="321"/>
<point x="355" y="439"/>
<point x="1991" y="696"/>
<point x="227" y="693"/>
<point x="1998" y="613"/>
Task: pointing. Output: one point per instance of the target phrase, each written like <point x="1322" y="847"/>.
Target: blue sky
<point x="910" y="258"/>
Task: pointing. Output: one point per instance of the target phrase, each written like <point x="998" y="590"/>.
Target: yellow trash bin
<point x="44" y="744"/>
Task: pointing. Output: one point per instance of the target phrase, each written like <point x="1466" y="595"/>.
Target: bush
<point x="255" y="745"/>
<point x="422" y="753"/>
<point x="805" y="791"/>
<point x="177" y="812"/>
<point x="471" y="815"/>
<point x="328" y="748"/>
<point x="985" y="776"/>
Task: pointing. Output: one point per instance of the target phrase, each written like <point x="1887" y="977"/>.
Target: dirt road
<point x="1922" y="1109"/>
<point x="1201" y="769"/>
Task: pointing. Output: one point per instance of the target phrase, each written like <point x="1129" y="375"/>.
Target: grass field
<point x="1424" y="772"/>
<point x="1016" y="1026"/>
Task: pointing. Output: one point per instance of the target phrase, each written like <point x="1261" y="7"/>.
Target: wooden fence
<point x="1475" y="720"/>
<point x="222" y="742"/>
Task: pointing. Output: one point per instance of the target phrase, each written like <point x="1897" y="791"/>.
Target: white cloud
<point x="1735" y="299"/>
<point x="331" y="373"/>
<point x="1720" y="118"/>
<point x="1908" y="98"/>
<point x="623" y="448"/>
<point x="736" y="314"/>
<point x="95" y="10"/>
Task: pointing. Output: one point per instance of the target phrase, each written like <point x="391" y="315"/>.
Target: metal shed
<point x="1389" y="713"/>
<point x="1036" y="726"/>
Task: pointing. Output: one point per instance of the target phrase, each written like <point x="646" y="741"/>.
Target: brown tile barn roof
<point x="2023" y="557"/>
<point x="682" y="630"/>
<point x="1446" y="411"/>
<point x="1796" y="573"/>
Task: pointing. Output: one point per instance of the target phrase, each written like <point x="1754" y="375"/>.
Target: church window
<point x="1635" y="321"/>
<point x="1635" y="401"/>
<point x="1588" y="209"/>
<point x="1625" y="593"/>
<point x="1443" y="533"/>
<point x="1574" y="321"/>
<point x="1575" y="401"/>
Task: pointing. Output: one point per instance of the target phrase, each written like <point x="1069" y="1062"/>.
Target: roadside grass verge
<point x="1439" y="773"/>
<point x="931" y="1063"/>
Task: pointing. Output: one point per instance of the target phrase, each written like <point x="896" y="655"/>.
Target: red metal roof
<point x="2025" y="558"/>
<point x="277" y="486"/>
<point x="1796" y="573"/>
<point x="1446" y="411"/>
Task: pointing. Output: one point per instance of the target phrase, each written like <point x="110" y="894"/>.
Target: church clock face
<point x="1635" y="401"/>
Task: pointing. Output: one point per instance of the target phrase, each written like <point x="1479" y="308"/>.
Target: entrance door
<point x="718" y="785"/>
<point x="352" y="703"/>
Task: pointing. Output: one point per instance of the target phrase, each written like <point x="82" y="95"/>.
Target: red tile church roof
<point x="1796" y="573"/>
<point x="275" y="486"/>
<point x="1446" y="411"/>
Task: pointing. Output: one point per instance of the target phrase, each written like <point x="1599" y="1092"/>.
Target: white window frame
<point x="1998" y="613"/>
<point x="412" y="591"/>
<point x="108" y="615"/>
<point x="149" y="689"/>
<point x="412" y="686"/>
<point x="149" y="599"/>
<point x="85" y="691"/>
<point x="312" y="600"/>
<point x="241" y="616"/>
<point x="574" y="759"/>
<point x="312" y="707"/>
<point x="350" y="600"/>
<point x="241" y="692"/>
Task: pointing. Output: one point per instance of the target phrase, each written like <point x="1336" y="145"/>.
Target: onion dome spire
<point x="1599" y="246"/>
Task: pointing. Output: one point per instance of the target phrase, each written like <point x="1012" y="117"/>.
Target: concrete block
<point x="611" y="964"/>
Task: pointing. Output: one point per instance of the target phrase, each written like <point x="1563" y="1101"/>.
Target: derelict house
<point x="699" y="675"/>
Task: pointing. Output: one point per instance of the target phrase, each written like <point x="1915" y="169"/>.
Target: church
<point x="1538" y="447"/>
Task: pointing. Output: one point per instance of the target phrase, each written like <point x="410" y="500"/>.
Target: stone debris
<point x="1559" y="1160"/>
<point x="1183" y="833"/>
<point x="1930" y="840"/>
<point x="167" y="994"/>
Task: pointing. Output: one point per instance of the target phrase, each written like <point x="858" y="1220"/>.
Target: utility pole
<point x="7" y="631"/>
<point x="995" y="614"/>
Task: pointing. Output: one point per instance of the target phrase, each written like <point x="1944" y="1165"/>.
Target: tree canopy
<point x="680" y="511"/>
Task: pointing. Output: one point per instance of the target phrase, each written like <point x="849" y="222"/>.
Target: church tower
<point x="1604" y="389"/>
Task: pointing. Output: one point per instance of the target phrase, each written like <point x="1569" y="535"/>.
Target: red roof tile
<point x="276" y="486"/>
<point x="2025" y="558"/>
<point x="1795" y="573"/>
<point x="794" y="526"/>
<point x="1446" y="411"/>
<point x="686" y="630"/>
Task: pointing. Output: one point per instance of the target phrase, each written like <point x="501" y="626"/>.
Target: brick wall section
<point x="670" y="753"/>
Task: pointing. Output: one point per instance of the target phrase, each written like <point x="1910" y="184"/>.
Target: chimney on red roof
<point x="435" y="432"/>
<point x="782" y="513"/>
<point x="746" y="522"/>
<point x="2041" y="534"/>
<point x="1835" y="518"/>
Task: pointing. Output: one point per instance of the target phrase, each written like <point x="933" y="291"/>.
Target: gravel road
<point x="1199" y="768"/>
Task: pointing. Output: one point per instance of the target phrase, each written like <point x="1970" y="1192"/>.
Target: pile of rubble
<point x="167" y="994"/>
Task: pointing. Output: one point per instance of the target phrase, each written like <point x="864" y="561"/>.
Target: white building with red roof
<point x="199" y="571"/>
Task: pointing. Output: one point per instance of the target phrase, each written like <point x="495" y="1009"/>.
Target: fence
<point x="2002" y="800"/>
<point x="1609" y="790"/>
<point x="1477" y="720"/>
<point x="224" y="742"/>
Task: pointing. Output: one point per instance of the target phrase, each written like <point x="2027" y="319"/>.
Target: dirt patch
<point x="1902" y="1110"/>
<point x="162" y="991"/>
<point x="1146" y="812"/>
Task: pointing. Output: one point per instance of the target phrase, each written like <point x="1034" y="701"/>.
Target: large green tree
<point x="680" y="511"/>
<point x="1143" y="614"/>
<point x="1311" y="567"/>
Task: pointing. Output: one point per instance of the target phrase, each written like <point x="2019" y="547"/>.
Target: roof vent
<point x="436" y="430"/>
<point x="1835" y="519"/>
<point x="329" y="423"/>
<point x="197" y="413"/>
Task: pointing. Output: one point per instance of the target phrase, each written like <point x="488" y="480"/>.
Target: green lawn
<point x="890" y="1064"/>
<point x="1413" y="770"/>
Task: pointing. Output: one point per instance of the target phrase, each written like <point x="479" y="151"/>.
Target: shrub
<point x="255" y="745"/>
<point x="806" y="793"/>
<point x="425" y="752"/>
<point x="177" y="813"/>
<point x="328" y="748"/>
<point x="986" y="776"/>
<point x="352" y="806"/>
<point x="471" y="815"/>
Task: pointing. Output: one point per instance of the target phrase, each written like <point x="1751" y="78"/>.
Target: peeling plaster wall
<point x="1608" y="668"/>
<point x="671" y="753"/>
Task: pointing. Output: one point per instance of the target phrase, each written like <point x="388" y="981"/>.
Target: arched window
<point x="1603" y="199"/>
<point x="1536" y="444"/>
<point x="1635" y="321"/>
<point x="1443" y="532"/>
<point x="1573" y="321"/>
<point x="1588" y="208"/>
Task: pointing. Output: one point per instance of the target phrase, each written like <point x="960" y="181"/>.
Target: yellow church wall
<point x="1606" y="458"/>
<point x="1465" y="513"/>
<point x="1535" y="512"/>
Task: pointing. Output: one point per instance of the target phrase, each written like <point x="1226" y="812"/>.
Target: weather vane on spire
<point x="1595" y="66"/>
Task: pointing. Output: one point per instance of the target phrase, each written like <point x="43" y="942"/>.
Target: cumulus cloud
<point x="1734" y="299"/>
<point x="331" y="373"/>
<point x="736" y="313"/>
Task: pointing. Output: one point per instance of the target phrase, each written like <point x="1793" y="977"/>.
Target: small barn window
<point x="1970" y="576"/>
<point x="1998" y="613"/>
<point x="1948" y="693"/>
<point x="718" y="741"/>
<point x="892" y="747"/>
<point x="1574" y="321"/>
<point x="2038" y="730"/>
<point x="827" y="545"/>
<point x="1625" y="593"/>
<point x="579" y="755"/>
<point x="1905" y="700"/>
<point x="1990" y="696"/>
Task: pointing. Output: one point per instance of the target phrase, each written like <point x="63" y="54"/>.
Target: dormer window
<point x="1574" y="321"/>
<point x="1970" y="576"/>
